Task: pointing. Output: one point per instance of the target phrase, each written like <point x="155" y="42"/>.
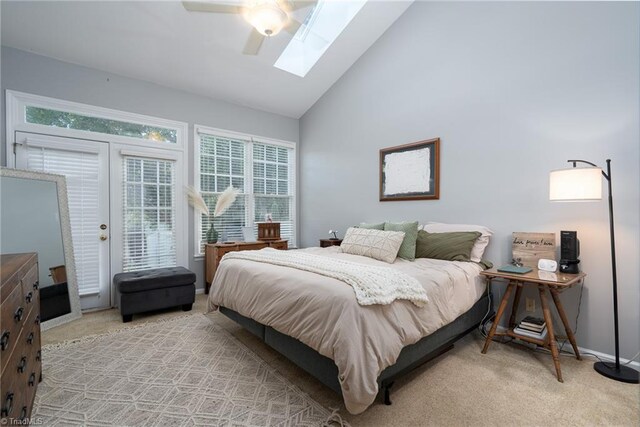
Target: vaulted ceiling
<point x="196" y="52"/>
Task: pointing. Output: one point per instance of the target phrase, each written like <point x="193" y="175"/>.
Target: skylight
<point x="318" y="31"/>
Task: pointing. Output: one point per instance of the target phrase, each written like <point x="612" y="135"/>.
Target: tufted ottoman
<point x="146" y="290"/>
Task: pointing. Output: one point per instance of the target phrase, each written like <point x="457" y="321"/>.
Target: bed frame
<point x="326" y="371"/>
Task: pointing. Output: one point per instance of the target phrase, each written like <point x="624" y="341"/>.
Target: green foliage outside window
<point x="63" y="119"/>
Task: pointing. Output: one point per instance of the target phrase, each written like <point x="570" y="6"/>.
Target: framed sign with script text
<point x="528" y="248"/>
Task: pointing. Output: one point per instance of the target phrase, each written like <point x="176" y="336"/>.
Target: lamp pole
<point x="618" y="373"/>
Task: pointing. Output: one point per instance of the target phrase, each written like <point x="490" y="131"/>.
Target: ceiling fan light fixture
<point x="267" y="18"/>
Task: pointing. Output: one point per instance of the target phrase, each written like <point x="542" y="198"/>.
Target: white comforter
<point x="323" y="313"/>
<point x="371" y="284"/>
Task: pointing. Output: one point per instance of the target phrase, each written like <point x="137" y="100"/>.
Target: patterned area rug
<point x="181" y="372"/>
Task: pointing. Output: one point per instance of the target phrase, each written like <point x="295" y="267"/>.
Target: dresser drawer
<point x="30" y="284"/>
<point x="33" y="378"/>
<point x="20" y="355"/>
<point x="14" y="269"/>
<point x="252" y="246"/>
<point x="13" y="314"/>
<point x="32" y="303"/>
<point x="14" y="401"/>
<point x="18" y="358"/>
<point x="279" y="245"/>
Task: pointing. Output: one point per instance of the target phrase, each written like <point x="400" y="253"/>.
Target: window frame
<point x="248" y="177"/>
<point x="16" y="103"/>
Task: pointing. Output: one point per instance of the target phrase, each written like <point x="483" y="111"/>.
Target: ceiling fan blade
<point x="199" y="6"/>
<point x="292" y="26"/>
<point x="254" y="42"/>
<point x="301" y="4"/>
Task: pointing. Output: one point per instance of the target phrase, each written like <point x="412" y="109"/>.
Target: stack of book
<point x="532" y="327"/>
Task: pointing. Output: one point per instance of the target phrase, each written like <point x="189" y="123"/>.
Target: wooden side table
<point x="325" y="243"/>
<point x="544" y="280"/>
<point x="213" y="253"/>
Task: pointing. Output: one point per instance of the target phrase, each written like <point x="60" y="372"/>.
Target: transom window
<point x="68" y="120"/>
<point x="263" y="172"/>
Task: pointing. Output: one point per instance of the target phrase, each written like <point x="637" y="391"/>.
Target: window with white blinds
<point x="264" y="175"/>
<point x="149" y="214"/>
<point x="81" y="172"/>
<point x="272" y="186"/>
<point x="222" y="163"/>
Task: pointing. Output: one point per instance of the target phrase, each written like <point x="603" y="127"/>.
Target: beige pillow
<point x="376" y="244"/>
<point x="478" y="247"/>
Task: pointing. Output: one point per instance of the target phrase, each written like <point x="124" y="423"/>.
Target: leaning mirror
<point x="34" y="217"/>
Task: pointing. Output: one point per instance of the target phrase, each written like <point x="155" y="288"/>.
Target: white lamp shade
<point x="575" y="184"/>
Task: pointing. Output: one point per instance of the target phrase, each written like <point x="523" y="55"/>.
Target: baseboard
<point x="604" y="356"/>
<point x="199" y="291"/>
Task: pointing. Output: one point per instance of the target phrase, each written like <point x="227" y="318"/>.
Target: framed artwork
<point x="410" y="171"/>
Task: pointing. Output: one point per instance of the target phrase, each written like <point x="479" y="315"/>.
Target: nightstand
<point x="325" y="243"/>
<point x="545" y="281"/>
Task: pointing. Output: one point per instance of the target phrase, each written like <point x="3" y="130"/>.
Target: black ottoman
<point x="146" y="290"/>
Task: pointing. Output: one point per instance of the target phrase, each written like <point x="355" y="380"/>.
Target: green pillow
<point x="372" y="226"/>
<point x="408" y="247"/>
<point x="454" y="246"/>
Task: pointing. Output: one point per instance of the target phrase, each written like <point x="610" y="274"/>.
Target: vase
<point x="212" y="234"/>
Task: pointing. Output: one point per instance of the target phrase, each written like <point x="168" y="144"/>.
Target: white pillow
<point x="376" y="244"/>
<point x="478" y="247"/>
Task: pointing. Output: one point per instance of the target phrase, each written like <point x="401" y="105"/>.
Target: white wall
<point x="512" y="90"/>
<point x="26" y="72"/>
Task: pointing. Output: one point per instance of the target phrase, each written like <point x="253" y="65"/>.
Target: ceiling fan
<point x="267" y="17"/>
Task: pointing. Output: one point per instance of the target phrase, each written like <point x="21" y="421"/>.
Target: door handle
<point x="103" y="237"/>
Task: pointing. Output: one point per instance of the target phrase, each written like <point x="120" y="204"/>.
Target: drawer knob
<point x="8" y="404"/>
<point x="17" y="316"/>
<point x="23" y="413"/>
<point x="22" y="364"/>
<point x="4" y="342"/>
<point x="30" y="338"/>
<point x="29" y="297"/>
<point x="36" y="285"/>
<point x="38" y="355"/>
<point x="32" y="379"/>
<point x="37" y="321"/>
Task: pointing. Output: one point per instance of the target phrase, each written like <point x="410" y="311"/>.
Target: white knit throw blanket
<point x="372" y="284"/>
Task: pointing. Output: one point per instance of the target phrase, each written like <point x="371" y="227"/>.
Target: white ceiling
<point x="197" y="52"/>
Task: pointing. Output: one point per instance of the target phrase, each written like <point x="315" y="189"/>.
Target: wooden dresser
<point x="20" y="327"/>
<point x="214" y="252"/>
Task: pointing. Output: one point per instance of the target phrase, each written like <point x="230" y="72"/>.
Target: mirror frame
<point x="67" y="243"/>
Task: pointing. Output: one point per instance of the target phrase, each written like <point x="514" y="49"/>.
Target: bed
<point x="356" y="350"/>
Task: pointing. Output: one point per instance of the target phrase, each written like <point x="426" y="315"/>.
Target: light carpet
<point x="508" y="386"/>
<point x="183" y="371"/>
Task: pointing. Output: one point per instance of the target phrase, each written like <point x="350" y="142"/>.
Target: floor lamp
<point x="586" y="184"/>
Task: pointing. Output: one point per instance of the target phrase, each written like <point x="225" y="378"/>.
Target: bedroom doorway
<point x="85" y="164"/>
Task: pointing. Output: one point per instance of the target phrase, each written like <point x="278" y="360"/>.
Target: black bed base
<point x="326" y="371"/>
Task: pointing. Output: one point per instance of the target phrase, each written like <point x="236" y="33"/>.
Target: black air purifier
<point x="569" y="252"/>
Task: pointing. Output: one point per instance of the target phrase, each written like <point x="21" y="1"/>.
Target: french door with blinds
<point x="85" y="164"/>
<point x="123" y="205"/>
<point x="148" y="212"/>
